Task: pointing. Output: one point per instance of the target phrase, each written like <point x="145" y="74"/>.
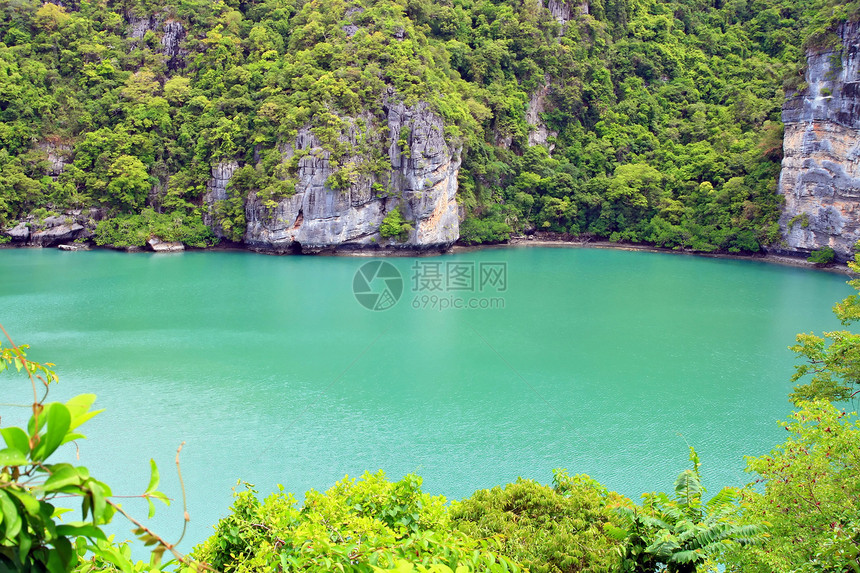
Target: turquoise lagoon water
<point x="603" y="362"/>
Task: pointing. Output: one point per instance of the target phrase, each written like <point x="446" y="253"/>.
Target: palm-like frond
<point x="680" y="532"/>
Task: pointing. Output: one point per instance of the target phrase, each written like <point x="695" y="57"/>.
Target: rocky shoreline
<point x="538" y="240"/>
<point x="544" y="240"/>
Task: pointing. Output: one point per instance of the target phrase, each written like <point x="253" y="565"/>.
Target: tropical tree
<point x="811" y="496"/>
<point x="833" y="359"/>
<point x="129" y="183"/>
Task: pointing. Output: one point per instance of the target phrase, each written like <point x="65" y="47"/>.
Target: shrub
<point x="810" y="496"/>
<point x="357" y="525"/>
<point x="822" y="256"/>
<point x="474" y="231"/>
<point x="32" y="538"/>
<point x="136" y="230"/>
<point x="395" y="226"/>
<point x="546" y="529"/>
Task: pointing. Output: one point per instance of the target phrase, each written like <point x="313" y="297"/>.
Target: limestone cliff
<point x="540" y="133"/>
<point x="415" y="170"/>
<point x="820" y="176"/>
<point x="563" y="10"/>
<point x="172" y="35"/>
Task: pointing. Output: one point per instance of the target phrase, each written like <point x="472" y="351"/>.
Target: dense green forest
<point x="659" y="119"/>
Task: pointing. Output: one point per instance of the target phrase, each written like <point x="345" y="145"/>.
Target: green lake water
<point x="603" y="362"/>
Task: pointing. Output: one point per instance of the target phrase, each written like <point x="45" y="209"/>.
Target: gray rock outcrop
<point x="540" y="133"/>
<point x="171" y="44"/>
<point x="216" y="190"/>
<point x="417" y="175"/>
<point x="820" y="177"/>
<point x="564" y="10"/>
<point x="58" y="156"/>
<point x="172" y="34"/>
<point x="54" y="230"/>
<point x="159" y="246"/>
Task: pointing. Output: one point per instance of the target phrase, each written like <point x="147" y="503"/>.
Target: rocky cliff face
<point x="172" y="34"/>
<point x="820" y="176"/>
<point x="418" y="177"/>
<point x="540" y="133"/>
<point x="563" y="10"/>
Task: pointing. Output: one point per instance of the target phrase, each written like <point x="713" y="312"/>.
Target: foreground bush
<point x="33" y="535"/>
<point x="358" y="525"/>
<point x="811" y="496"/>
<point x="547" y="529"/>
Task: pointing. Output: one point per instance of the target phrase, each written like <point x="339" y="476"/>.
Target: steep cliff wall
<point x="419" y="178"/>
<point x="820" y="176"/>
<point x="172" y="35"/>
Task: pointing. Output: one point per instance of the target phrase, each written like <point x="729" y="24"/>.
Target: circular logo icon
<point x="377" y="285"/>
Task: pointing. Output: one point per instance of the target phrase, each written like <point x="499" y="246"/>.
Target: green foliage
<point x="491" y="229"/>
<point x="32" y="535"/>
<point x="395" y="226"/>
<point x="370" y="524"/>
<point x="128" y="183"/>
<point x="822" y="256"/>
<point x="665" y="115"/>
<point x="230" y="215"/>
<point x="811" y="496"/>
<point x="343" y="178"/>
<point x="833" y="359"/>
<point x="680" y="533"/>
<point x="136" y="230"/>
<point x="546" y="529"/>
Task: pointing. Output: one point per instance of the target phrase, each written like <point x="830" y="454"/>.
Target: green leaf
<point x="25" y="542"/>
<point x="16" y="438"/>
<point x="62" y="475"/>
<point x="64" y="551"/>
<point x="58" y="420"/>
<point x="111" y="554"/>
<point x="12" y="457"/>
<point x="30" y="503"/>
<point x="688" y="489"/>
<point x="79" y="407"/>
<point x="153" y="477"/>
<point x="10" y="515"/>
<point x="98" y="492"/>
<point x="161" y="497"/>
<point x="79" y="528"/>
<point x="58" y="511"/>
<point x="72" y="436"/>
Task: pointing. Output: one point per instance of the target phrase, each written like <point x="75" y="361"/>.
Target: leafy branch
<point x="32" y="535"/>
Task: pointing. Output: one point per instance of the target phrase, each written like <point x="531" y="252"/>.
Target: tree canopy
<point x="638" y="120"/>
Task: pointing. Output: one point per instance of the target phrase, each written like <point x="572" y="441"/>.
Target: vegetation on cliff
<point x="642" y="120"/>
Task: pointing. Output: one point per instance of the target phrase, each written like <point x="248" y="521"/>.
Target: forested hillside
<point x="639" y="120"/>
